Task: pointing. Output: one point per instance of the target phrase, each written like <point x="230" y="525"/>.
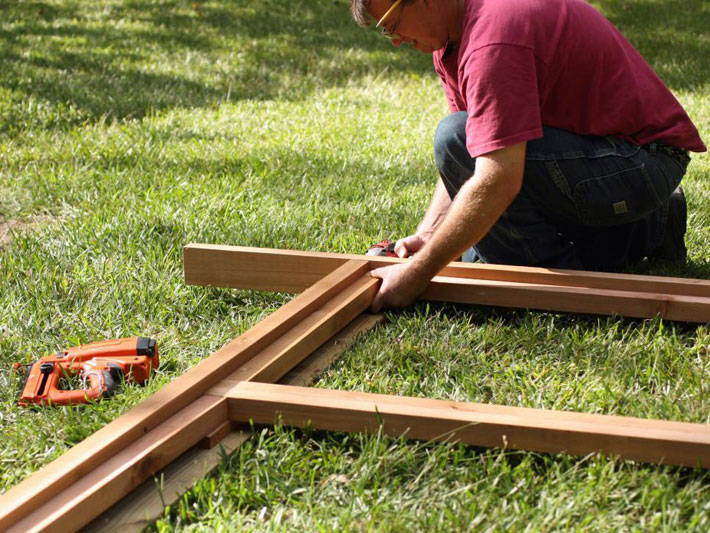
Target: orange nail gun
<point x="100" y="366"/>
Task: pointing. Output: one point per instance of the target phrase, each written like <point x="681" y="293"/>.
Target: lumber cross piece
<point x="498" y="285"/>
<point x="39" y="503"/>
<point x="147" y="502"/>
<point x="235" y="382"/>
<point x="675" y="443"/>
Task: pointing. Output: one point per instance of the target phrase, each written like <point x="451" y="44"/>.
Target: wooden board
<point x="53" y="495"/>
<point x="292" y="271"/>
<point x="79" y="503"/>
<point x="237" y="267"/>
<point x="145" y="504"/>
<point x="283" y="354"/>
<point x="568" y="299"/>
<point x="87" y="456"/>
<point x="674" y="443"/>
<point x="316" y="363"/>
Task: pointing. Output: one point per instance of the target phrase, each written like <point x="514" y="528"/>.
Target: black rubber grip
<point x="110" y="383"/>
<point x="146" y="346"/>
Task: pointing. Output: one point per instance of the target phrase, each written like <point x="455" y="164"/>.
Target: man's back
<point x="524" y="63"/>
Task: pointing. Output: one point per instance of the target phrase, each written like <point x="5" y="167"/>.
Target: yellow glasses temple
<point x="387" y="13"/>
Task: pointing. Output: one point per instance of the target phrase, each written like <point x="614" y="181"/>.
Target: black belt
<point x="679" y="154"/>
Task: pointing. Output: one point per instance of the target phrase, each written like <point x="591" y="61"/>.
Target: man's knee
<point x="453" y="161"/>
<point x="450" y="137"/>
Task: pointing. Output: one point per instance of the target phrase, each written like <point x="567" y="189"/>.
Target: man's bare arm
<point x="477" y="206"/>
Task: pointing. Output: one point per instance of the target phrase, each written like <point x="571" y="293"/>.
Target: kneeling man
<point x="563" y="147"/>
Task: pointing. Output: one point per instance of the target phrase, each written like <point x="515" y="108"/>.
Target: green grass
<point x="128" y="129"/>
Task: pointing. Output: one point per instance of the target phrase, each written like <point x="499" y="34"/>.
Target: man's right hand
<point x="434" y="216"/>
<point x="410" y="245"/>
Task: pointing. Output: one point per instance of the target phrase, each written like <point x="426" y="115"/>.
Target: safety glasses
<point x="390" y="34"/>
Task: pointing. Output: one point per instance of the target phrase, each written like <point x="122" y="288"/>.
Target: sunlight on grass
<point x="128" y="129"/>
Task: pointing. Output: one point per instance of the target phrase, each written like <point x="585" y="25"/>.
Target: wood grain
<point x="656" y="441"/>
<point x="77" y="504"/>
<point x="147" y="502"/>
<point x="306" y="372"/>
<point x="283" y="354"/>
<point x="89" y="454"/>
<point x="236" y="267"/>
<point x="569" y="299"/>
<point x="292" y="271"/>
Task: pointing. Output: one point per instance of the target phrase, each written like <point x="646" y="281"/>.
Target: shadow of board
<point x="271" y="49"/>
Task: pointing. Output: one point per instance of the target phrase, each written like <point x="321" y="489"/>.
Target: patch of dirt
<point x="8" y="227"/>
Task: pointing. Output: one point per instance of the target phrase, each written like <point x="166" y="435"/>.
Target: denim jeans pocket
<point x="668" y="172"/>
<point x="617" y="198"/>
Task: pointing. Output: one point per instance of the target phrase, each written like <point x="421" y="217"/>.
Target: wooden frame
<point x="524" y="287"/>
<point x="199" y="407"/>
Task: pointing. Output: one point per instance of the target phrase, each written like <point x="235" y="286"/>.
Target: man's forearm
<point x="476" y="208"/>
<point x="473" y="212"/>
<point x="436" y="212"/>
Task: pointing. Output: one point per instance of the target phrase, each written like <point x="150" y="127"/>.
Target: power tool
<point x="382" y="249"/>
<point x="100" y="365"/>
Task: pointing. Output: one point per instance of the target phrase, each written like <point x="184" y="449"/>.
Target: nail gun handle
<point x="98" y="383"/>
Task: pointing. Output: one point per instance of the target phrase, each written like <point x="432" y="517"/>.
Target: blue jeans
<point x="594" y="203"/>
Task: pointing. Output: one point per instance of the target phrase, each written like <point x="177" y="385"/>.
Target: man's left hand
<point x="401" y="284"/>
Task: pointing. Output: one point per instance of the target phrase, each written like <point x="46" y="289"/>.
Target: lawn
<point x="130" y="128"/>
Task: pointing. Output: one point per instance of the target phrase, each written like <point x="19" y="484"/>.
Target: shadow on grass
<point x="690" y="269"/>
<point x="128" y="59"/>
<point x="672" y="35"/>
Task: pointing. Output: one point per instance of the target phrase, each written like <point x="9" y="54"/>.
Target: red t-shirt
<point x="524" y="63"/>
